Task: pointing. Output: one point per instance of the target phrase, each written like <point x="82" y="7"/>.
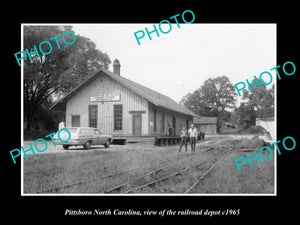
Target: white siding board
<point x="78" y="105"/>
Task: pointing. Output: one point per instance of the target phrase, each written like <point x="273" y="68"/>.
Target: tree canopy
<point x="258" y="104"/>
<point x="217" y="97"/>
<point x="261" y="99"/>
<point x="213" y="98"/>
<point x="59" y="72"/>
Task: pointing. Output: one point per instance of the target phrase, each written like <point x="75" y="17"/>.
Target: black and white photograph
<point x="131" y="114"/>
<point x="158" y="117"/>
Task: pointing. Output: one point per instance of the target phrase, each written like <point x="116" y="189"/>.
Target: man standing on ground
<point x="193" y="136"/>
<point x="183" y="136"/>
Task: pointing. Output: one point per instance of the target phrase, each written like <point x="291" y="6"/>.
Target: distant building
<point x="269" y="125"/>
<point x="121" y="107"/>
<point x="208" y="125"/>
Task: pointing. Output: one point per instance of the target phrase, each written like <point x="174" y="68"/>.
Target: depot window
<point x="93" y="115"/>
<point x="118" y="117"/>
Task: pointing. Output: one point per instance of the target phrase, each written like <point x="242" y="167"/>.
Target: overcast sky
<point x="179" y="62"/>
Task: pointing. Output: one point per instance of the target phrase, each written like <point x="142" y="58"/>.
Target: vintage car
<point x="85" y="136"/>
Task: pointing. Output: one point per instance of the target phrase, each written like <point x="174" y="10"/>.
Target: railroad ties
<point x="56" y="189"/>
<point x="147" y="180"/>
<point x="211" y="167"/>
<point x="153" y="177"/>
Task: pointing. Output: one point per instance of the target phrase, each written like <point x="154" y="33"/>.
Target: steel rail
<point x="166" y="177"/>
<point x="205" y="173"/>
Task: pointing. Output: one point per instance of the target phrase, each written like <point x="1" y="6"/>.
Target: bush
<point x="45" y="122"/>
<point x="252" y="130"/>
<point x="35" y="134"/>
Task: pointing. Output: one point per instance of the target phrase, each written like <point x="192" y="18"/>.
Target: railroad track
<point x="130" y="187"/>
<point x="56" y="189"/>
<point x="150" y="179"/>
<point x="103" y="177"/>
<point x="172" y="175"/>
<point x="146" y="179"/>
<point x="208" y="171"/>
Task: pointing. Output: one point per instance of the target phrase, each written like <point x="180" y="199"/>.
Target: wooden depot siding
<point x="137" y="109"/>
<point x="144" y="111"/>
<point x="207" y="128"/>
<point x="79" y="103"/>
<point x="208" y="125"/>
<point x="163" y="129"/>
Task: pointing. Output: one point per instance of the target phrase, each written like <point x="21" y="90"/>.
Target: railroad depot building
<point x="208" y="125"/>
<point x="121" y="107"/>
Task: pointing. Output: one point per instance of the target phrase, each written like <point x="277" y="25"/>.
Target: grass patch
<point x="226" y="178"/>
<point x="47" y="171"/>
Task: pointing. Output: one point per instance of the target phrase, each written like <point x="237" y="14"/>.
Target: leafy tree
<point x="244" y="116"/>
<point x="261" y="99"/>
<point x="196" y="104"/>
<point x="212" y="99"/>
<point x="218" y="93"/>
<point x="259" y="104"/>
<point x="58" y="72"/>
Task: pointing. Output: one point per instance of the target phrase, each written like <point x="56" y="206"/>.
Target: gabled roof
<point x="152" y="96"/>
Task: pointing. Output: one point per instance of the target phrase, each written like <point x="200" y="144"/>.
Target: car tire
<point x="107" y="143"/>
<point x="66" y="147"/>
<point x="87" y="145"/>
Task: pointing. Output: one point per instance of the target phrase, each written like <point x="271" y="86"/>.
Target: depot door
<point x="137" y="125"/>
<point x="174" y="125"/>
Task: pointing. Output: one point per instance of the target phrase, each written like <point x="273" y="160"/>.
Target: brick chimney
<point x="116" y="67"/>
